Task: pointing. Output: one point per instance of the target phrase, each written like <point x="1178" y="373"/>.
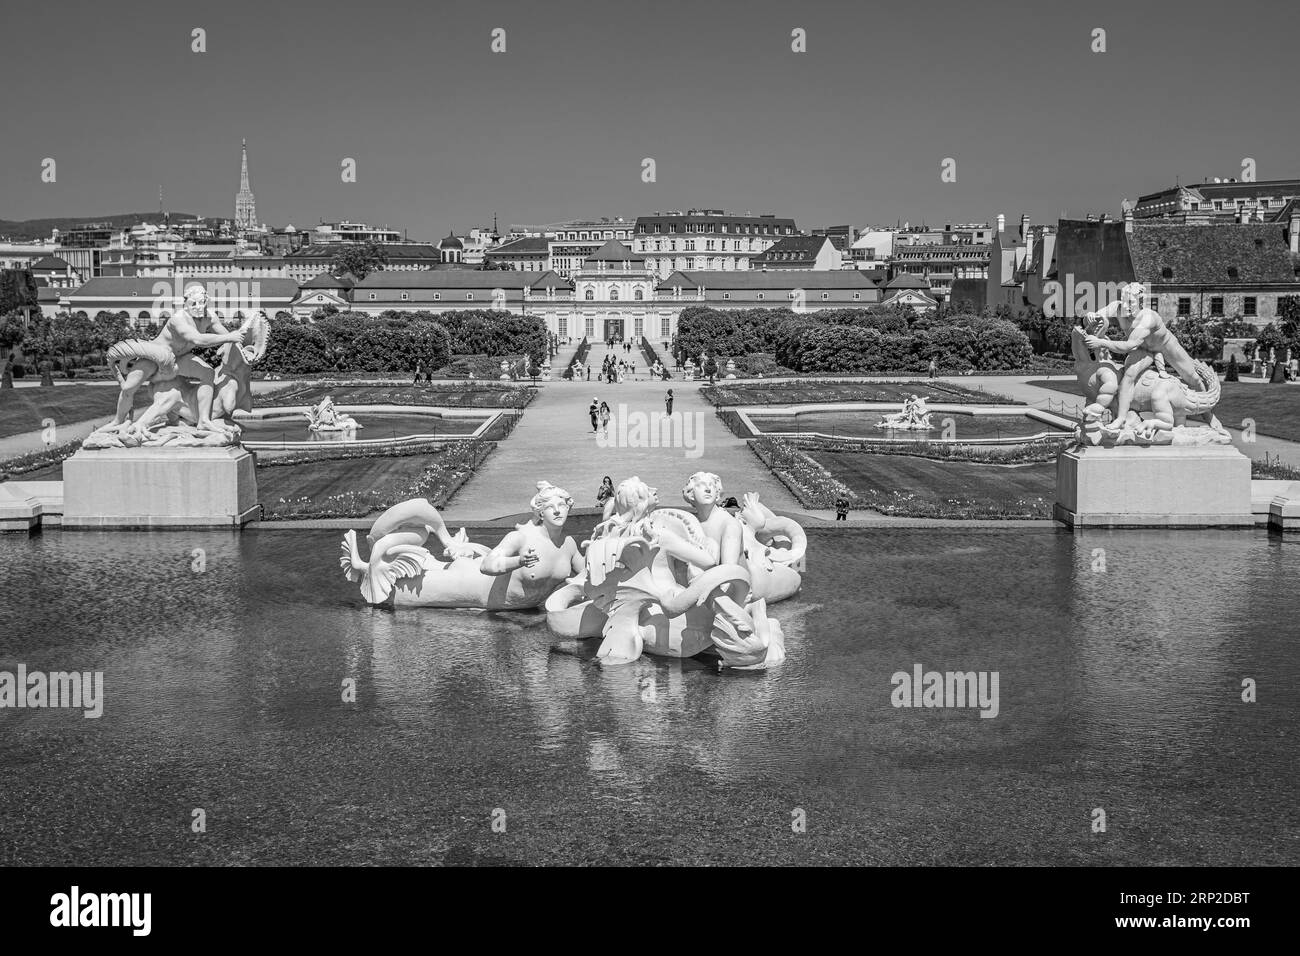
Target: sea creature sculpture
<point x="655" y="582"/>
<point x="525" y="568"/>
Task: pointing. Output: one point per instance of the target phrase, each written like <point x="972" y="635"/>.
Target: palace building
<point x="614" y="295"/>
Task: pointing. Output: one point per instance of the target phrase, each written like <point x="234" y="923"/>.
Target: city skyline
<point x="445" y="132"/>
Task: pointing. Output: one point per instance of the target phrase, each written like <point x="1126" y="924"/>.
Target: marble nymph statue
<point x="669" y="582"/>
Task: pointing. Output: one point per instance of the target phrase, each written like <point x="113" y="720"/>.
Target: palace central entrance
<point x="614" y="330"/>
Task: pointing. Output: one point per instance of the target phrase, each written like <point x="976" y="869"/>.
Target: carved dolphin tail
<point x="394" y="556"/>
<point x="1199" y="403"/>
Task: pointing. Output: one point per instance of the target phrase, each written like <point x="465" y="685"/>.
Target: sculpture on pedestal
<point x="523" y="569"/>
<point x="915" y="416"/>
<point x="1150" y="406"/>
<point x="663" y="582"/>
<point x="192" y="402"/>
<point x="324" y="417"/>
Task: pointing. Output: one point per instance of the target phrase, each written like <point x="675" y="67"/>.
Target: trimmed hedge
<point x="852" y="341"/>
<point x="396" y="341"/>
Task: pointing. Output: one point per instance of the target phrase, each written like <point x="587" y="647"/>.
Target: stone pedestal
<point x="1172" y="486"/>
<point x="160" y="488"/>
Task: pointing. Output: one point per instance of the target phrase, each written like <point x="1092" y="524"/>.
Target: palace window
<point x="406" y="296"/>
<point x="1184" y="305"/>
<point x="665" y="327"/>
<point x="590" y="295"/>
<point x="1216" y="305"/>
<point x="469" y="296"/>
<point x="372" y="297"/>
<point x="613" y="294"/>
<point x="638" y="326"/>
<point x="591" y="326"/>
<point x="857" y="296"/>
<point x="825" y="296"/>
<point x="760" y="295"/>
<point x="1250" y="305"/>
<point x="726" y="295"/>
<point x="437" y="296"/>
<point x="564" y="326"/>
<point x="638" y="295"/>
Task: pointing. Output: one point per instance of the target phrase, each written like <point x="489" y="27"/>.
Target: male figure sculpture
<point x="1147" y="340"/>
<point x="190" y="328"/>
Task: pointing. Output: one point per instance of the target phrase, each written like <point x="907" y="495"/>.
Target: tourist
<point x="606" y="492"/>
<point x="668" y="401"/>
<point x="428" y="377"/>
<point x="604" y="418"/>
<point x="417" y="374"/>
<point x="934" y="367"/>
<point x="589" y="373"/>
<point x="594" y="412"/>
<point x="842" y="506"/>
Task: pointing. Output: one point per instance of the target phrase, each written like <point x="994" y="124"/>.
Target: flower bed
<point x="438" y="482"/>
<point x="13" y="468"/>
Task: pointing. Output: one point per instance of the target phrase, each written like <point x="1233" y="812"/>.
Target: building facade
<point x="706" y="240"/>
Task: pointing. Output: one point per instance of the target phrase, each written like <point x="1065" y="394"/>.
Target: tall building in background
<point x="245" y="204"/>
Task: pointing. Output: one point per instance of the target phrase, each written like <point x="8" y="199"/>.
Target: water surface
<point x="1118" y="690"/>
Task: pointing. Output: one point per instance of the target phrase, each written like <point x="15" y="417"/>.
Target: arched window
<point x="638" y="294"/>
<point x="613" y="294"/>
<point x="143" y="315"/>
<point x="591" y="294"/>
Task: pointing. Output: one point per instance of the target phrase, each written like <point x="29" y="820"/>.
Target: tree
<point x="12" y="333"/>
<point x="491" y="265"/>
<point x="359" y="259"/>
<point x="18" y="291"/>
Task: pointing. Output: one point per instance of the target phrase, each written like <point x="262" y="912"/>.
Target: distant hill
<point x="20" y="229"/>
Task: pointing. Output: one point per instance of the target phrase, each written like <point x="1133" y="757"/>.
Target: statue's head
<point x="196" y="299"/>
<point x="1134" y="296"/>
<point x="633" y="497"/>
<point x="551" y="504"/>
<point x="702" y="488"/>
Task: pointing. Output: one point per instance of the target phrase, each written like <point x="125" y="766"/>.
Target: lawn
<point x="1274" y="408"/>
<point x="901" y="484"/>
<point x="796" y="393"/>
<point x="452" y="396"/>
<point x="24" y="409"/>
<point x="322" y="479"/>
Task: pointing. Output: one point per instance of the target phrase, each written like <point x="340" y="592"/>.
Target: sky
<point x="445" y="132"/>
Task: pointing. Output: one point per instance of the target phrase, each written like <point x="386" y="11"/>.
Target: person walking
<point x="417" y="374"/>
<point x="604" y="419"/>
<point x="934" y="367"/>
<point x="594" y="412"/>
<point x="668" y="401"/>
<point x="841" y="508"/>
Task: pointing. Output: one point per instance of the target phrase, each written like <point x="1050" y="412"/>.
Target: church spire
<point x="245" y="204"/>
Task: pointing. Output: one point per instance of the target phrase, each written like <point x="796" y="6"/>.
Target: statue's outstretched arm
<point x="505" y="557"/>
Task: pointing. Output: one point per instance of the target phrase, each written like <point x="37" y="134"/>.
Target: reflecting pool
<point x="1119" y="689"/>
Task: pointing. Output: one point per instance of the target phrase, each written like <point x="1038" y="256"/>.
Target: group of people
<point x="612" y="370"/>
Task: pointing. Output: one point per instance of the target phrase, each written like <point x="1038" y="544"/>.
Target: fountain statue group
<point x="915" y="416"/>
<point x="664" y="581"/>
<point x="324" y="417"/>
<point x="1138" y="401"/>
<point x="191" y="403"/>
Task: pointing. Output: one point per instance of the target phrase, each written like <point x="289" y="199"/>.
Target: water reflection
<point x="1119" y="687"/>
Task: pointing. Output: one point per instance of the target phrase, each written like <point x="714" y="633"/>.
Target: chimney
<point x="1293" y="230"/>
<point x="1002" y="223"/>
<point x="1024" y="225"/>
<point x="1128" y="219"/>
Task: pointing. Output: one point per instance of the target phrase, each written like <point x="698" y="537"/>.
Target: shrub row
<point x="854" y="341"/>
